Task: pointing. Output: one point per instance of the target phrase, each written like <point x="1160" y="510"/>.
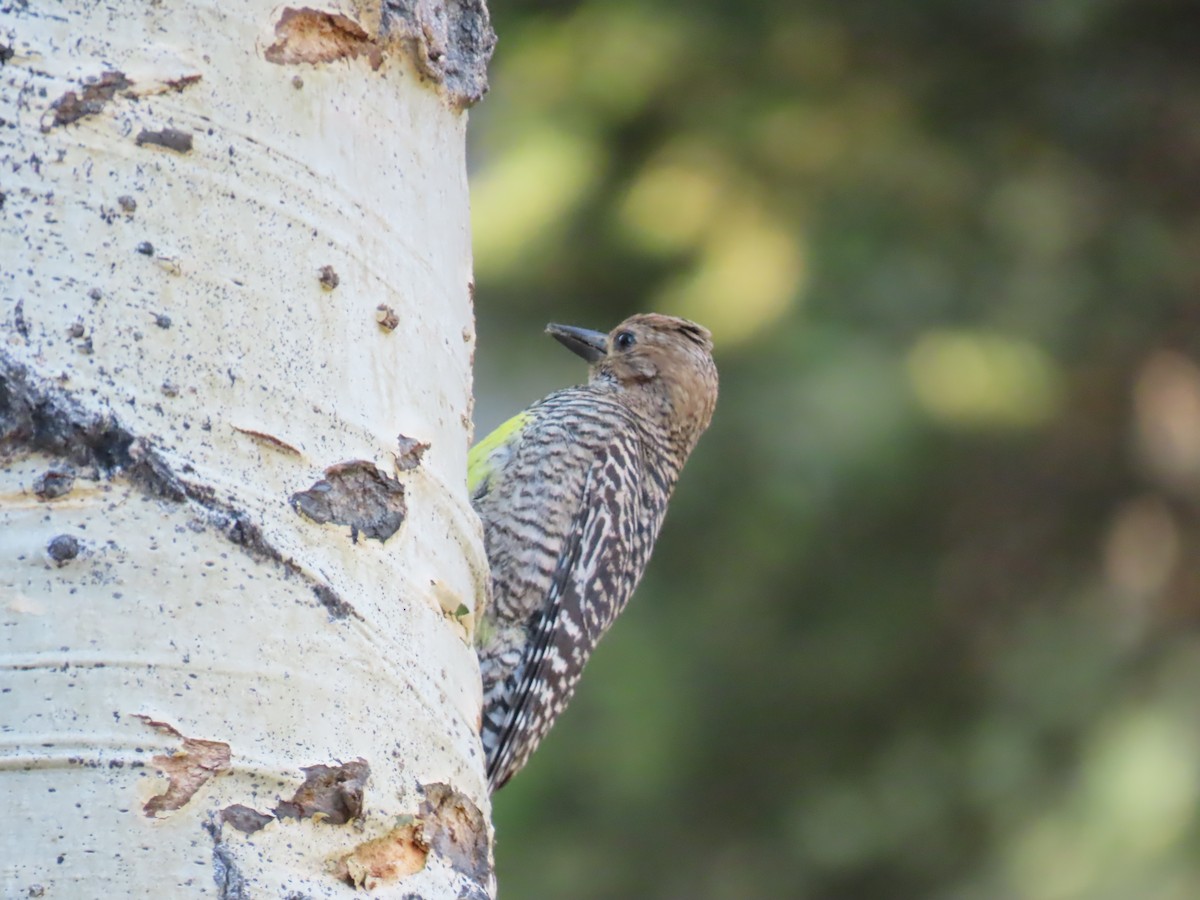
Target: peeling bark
<point x="90" y="99"/>
<point x="245" y="819"/>
<point x="334" y="794"/>
<point x="383" y="860"/>
<point x="456" y="829"/>
<point x="449" y="41"/>
<point x="386" y="317"/>
<point x="448" y="829"/>
<point x="169" y="138"/>
<point x="187" y="769"/>
<point x="357" y="494"/>
<point x="328" y="278"/>
<point x="408" y="453"/>
<point x="269" y="440"/>
<point x="312" y="36"/>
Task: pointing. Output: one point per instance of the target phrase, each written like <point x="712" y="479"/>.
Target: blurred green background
<point x="922" y="619"/>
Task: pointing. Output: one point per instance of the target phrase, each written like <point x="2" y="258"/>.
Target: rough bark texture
<point x="230" y="657"/>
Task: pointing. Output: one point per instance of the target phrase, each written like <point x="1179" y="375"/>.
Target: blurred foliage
<point x="922" y="620"/>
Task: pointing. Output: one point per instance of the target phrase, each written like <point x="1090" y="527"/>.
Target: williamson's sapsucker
<point x="572" y="493"/>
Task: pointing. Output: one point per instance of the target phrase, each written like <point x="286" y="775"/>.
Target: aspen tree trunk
<point x="238" y="566"/>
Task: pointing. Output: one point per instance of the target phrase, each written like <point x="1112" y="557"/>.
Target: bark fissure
<point x="38" y="418"/>
<point x="231" y="885"/>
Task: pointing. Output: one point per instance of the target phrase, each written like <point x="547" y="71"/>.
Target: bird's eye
<point x="625" y="340"/>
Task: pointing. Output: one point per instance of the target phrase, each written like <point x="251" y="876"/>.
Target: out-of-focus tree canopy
<point x="922" y="619"/>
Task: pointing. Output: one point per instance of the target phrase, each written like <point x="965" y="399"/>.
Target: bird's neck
<point x="667" y="438"/>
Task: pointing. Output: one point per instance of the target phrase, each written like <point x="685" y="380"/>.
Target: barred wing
<point x="596" y="572"/>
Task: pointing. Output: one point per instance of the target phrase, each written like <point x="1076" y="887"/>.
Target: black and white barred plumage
<point x="572" y="493"/>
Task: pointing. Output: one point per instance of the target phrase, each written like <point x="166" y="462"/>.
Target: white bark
<point x="177" y="642"/>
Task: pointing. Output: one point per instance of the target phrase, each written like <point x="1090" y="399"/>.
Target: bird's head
<point x="663" y="363"/>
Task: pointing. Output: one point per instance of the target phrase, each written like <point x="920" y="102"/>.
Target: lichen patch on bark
<point x="358" y="494"/>
<point x="313" y="36"/>
<point x="188" y="769"/>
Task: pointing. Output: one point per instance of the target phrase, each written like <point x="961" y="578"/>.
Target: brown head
<point x="663" y="365"/>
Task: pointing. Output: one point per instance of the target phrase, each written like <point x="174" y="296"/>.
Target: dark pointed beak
<point x="591" y="345"/>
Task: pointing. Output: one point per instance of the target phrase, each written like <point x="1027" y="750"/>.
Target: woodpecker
<point x="572" y="493"/>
